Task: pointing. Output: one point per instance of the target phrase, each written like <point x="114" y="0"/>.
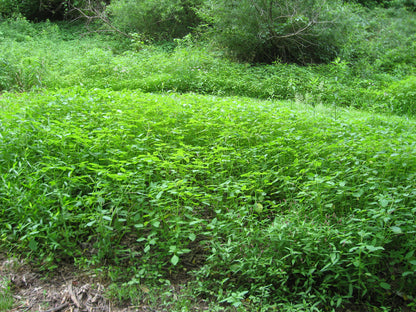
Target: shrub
<point x="33" y="9"/>
<point x="266" y="31"/>
<point x="381" y="37"/>
<point x="39" y="10"/>
<point x="370" y="3"/>
<point x="402" y="96"/>
<point x="409" y="4"/>
<point x="158" y="20"/>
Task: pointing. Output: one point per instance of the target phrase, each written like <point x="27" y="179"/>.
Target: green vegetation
<point x="156" y="19"/>
<point x="278" y="199"/>
<point x="6" y="299"/>
<point x="156" y="161"/>
<point x="266" y="31"/>
<point x="376" y="75"/>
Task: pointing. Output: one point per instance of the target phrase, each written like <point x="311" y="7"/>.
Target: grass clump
<point x="6" y="296"/>
<point x="259" y="200"/>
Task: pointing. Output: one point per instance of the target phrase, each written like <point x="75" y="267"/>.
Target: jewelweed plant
<point x="262" y="202"/>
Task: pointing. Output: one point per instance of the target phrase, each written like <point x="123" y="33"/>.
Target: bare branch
<point x="299" y="32"/>
<point x="92" y="11"/>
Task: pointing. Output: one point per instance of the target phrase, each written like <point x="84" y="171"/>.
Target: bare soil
<point x="66" y="290"/>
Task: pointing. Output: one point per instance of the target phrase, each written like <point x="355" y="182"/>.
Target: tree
<point x="301" y="31"/>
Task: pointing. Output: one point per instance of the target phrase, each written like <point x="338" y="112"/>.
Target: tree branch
<point x="94" y="11"/>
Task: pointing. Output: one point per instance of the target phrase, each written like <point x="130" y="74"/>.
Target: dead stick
<point x="58" y="308"/>
<point x="73" y="297"/>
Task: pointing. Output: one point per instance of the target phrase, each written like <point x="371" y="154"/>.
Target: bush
<point x="39" y="10"/>
<point x="266" y="31"/>
<point x="370" y="3"/>
<point x="158" y="20"/>
<point x="33" y="9"/>
<point x="402" y="96"/>
<point x="409" y="4"/>
<point x="382" y="42"/>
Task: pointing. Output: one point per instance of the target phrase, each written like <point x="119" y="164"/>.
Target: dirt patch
<point x="66" y="290"/>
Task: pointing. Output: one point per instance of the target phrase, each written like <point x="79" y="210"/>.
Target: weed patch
<point x="48" y="56"/>
<point x="257" y="200"/>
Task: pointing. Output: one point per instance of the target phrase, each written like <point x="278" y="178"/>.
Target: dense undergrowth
<point x="263" y="204"/>
<point x="376" y="76"/>
<point x="277" y="201"/>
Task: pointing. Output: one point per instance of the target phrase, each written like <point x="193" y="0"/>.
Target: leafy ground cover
<point x="264" y="190"/>
<point x="265" y="204"/>
<point x="53" y="56"/>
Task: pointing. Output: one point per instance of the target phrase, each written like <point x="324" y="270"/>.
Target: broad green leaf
<point x="33" y="245"/>
<point x="91" y="223"/>
<point x="396" y="229"/>
<point x="385" y="285"/>
<point x="192" y="236"/>
<point x="383" y="202"/>
<point x="258" y="207"/>
<point x="174" y="259"/>
<point x="372" y="248"/>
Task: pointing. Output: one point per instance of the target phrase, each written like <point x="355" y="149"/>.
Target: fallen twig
<point x="73" y="297"/>
<point x="58" y="308"/>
